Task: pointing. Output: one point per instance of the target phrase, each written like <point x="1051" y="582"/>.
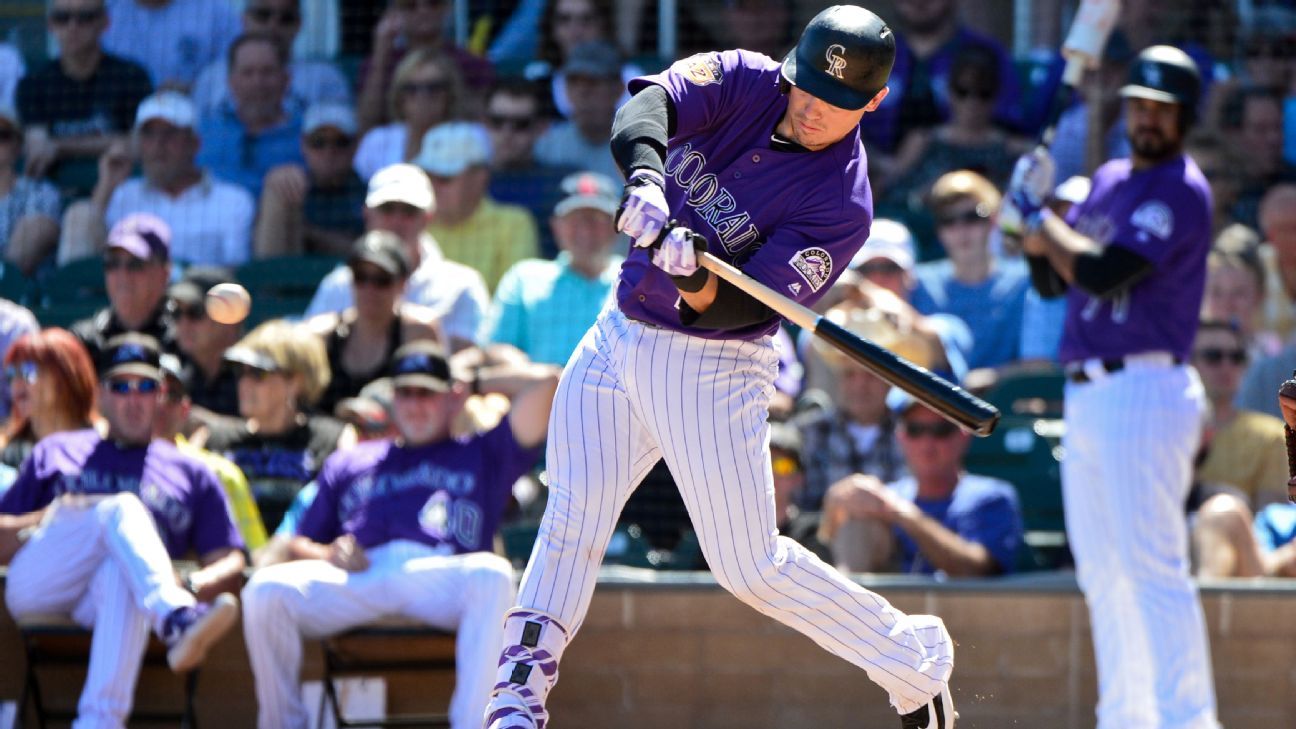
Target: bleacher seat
<point x="382" y="646"/>
<point x="14" y="285"/>
<point x="282" y="287"/>
<point x="72" y="291"/>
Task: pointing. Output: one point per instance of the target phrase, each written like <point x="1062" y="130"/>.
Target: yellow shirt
<point x="491" y="240"/>
<point x="1250" y="453"/>
<point x="242" y="506"/>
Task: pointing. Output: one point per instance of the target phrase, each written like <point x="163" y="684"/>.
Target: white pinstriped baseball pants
<point x="632" y="393"/>
<point x="101" y="561"/>
<point x="1130" y="440"/>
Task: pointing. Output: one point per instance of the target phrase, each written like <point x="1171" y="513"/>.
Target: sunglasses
<point x="130" y="263"/>
<point x="983" y="93"/>
<point x="425" y="88"/>
<point x="126" y="387"/>
<point x="785" y="465"/>
<point x="1214" y="355"/>
<point x="279" y="17"/>
<point x="81" y="17"/>
<point x="415" y="392"/>
<point x="340" y="144"/>
<point x="378" y="280"/>
<point x="256" y="373"/>
<point x="8" y="135"/>
<point x="936" y="430"/>
<point x="26" y="370"/>
<point x="510" y="123"/>
<point x="196" y="312"/>
<point x="967" y="217"/>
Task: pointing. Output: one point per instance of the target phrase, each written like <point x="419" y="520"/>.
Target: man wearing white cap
<point x="400" y="200"/>
<point x="316" y="208"/>
<point x="544" y="307"/>
<point x="471" y="227"/>
<point x="210" y="220"/>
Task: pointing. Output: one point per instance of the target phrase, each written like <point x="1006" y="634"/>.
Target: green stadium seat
<point x="14" y="285"/>
<point x="72" y="291"/>
<point x="283" y="287"/>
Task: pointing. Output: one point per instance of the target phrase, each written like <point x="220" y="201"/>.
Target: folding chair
<point x="351" y="653"/>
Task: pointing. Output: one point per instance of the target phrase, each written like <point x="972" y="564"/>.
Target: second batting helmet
<point x="1165" y="73"/>
<point x="844" y="56"/>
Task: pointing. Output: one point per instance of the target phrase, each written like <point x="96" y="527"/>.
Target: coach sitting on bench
<point x="404" y="528"/>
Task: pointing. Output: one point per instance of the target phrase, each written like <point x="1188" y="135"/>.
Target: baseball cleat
<point x="190" y="632"/>
<point x="935" y="714"/>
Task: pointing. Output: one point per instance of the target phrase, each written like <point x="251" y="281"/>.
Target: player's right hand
<point x="346" y="553"/>
<point x="1028" y="191"/>
<point x="643" y="212"/>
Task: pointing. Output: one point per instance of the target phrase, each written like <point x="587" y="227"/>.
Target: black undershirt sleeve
<point x="731" y="309"/>
<point x="1046" y="281"/>
<point x="1111" y="272"/>
<point x="640" y="131"/>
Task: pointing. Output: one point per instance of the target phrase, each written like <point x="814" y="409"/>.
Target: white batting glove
<point x="643" y="212"/>
<point x="677" y="253"/>
<point x="1028" y="191"/>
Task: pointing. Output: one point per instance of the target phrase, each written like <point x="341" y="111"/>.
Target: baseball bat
<point x="1082" y="49"/>
<point x="951" y="401"/>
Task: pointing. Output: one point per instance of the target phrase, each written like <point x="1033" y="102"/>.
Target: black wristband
<point x="692" y="283"/>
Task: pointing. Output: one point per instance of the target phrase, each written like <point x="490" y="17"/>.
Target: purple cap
<point x="142" y="235"/>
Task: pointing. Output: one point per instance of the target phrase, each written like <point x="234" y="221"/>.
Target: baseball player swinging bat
<point x="953" y="402"/>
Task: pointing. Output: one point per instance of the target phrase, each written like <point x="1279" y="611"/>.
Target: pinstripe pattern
<point x="1130" y="440"/>
<point x="633" y="393"/>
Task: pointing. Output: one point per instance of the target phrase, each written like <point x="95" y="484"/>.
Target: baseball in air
<point x="228" y="303"/>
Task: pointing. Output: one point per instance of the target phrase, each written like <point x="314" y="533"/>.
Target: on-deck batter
<point x="762" y="164"/>
<point x="1132" y="260"/>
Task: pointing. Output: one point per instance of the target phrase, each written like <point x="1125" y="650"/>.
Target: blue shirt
<point x="981" y="509"/>
<point x="231" y="154"/>
<point x="1275" y="526"/>
<point x="991" y="309"/>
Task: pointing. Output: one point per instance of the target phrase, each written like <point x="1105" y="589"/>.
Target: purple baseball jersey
<point x="451" y="493"/>
<point x="187" y="502"/>
<point x="1164" y="215"/>
<point x="789" y="219"/>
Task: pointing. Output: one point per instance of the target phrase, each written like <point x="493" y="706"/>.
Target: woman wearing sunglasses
<point x="52" y="388"/>
<point x="281" y="442"/>
<point x="427" y="90"/>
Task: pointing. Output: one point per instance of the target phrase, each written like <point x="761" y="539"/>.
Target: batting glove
<point x="643" y="212"/>
<point x="1028" y="192"/>
<point x="677" y="255"/>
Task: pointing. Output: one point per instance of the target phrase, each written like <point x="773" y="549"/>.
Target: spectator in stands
<point x="400" y="201"/>
<point x="29" y="208"/>
<point x="15" y="321"/>
<point x="594" y="86"/>
<point x="254" y="130"/>
<point x="420" y="551"/>
<point x="515" y="119"/>
<point x="110" y="513"/>
<point x="76" y="105"/>
<point x="210" y="219"/>
<point x="789" y="480"/>
<point x="1214" y="159"/>
<point x="470" y="226"/>
<point x="371" y="412"/>
<point x="362" y="339"/>
<point x="544" y="307"/>
<point x="1252" y="120"/>
<point x="280" y="446"/>
<point x="406" y="28"/>
<point x="310" y="81"/>
<point x="316" y="208"/>
<point x="174" y="413"/>
<point x="764" y="26"/>
<point x="173" y="39"/>
<point x="566" y="26"/>
<point x="987" y="294"/>
<point x="928" y="35"/>
<point x="1278" y="228"/>
<point x="210" y="382"/>
<point x="940" y="519"/>
<point x="1235" y="288"/>
<point x="427" y="89"/>
<point x="12" y="69"/>
<point x="52" y="382"/>
<point x="137" y="265"/>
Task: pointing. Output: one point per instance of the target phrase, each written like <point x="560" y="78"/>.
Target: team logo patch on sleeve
<point x="814" y="265"/>
<point x="1153" y="218"/>
<point x="702" y="69"/>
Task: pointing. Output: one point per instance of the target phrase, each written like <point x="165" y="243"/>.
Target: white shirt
<point x="379" y="147"/>
<point x="311" y="82"/>
<point x="211" y="222"/>
<point x="174" y="42"/>
<point x="454" y="291"/>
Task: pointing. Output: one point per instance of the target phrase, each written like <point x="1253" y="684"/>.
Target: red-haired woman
<point x="52" y="386"/>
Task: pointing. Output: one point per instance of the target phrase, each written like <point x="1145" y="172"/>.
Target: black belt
<point x="1077" y="374"/>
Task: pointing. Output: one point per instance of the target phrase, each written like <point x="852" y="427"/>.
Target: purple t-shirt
<point x="187" y="502"/>
<point x="791" y="220"/>
<point x="448" y="494"/>
<point x="1164" y="215"/>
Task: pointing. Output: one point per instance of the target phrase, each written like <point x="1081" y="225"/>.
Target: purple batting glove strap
<point x="643" y="212"/>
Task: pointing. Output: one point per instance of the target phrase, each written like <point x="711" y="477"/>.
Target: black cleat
<point x="935" y="714"/>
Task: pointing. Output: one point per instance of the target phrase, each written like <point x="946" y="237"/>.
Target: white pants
<point x="632" y="394"/>
<point x="312" y="599"/>
<point x="1130" y="440"/>
<point x="99" y="559"/>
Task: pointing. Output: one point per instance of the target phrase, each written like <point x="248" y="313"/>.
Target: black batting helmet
<point x="1165" y="73"/>
<point x="844" y="56"/>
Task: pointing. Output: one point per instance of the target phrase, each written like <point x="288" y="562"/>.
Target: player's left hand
<point x="677" y="253"/>
<point x="1029" y="190"/>
<point x="643" y="212"/>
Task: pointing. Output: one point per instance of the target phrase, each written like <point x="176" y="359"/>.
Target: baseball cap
<point x="252" y="358"/>
<point x="449" y="149"/>
<point x="197" y="280"/>
<point x="132" y="354"/>
<point x="383" y="249"/>
<point x="142" y="235"/>
<point x="172" y="107"/>
<point x="594" y="58"/>
<point x="888" y="239"/>
<point x="372" y="405"/>
<point x="421" y="364"/>
<point x="589" y="190"/>
<point x="174" y="371"/>
<point x="401" y="183"/>
<point x="339" y="116"/>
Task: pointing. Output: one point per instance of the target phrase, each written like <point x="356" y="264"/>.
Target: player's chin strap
<point x="528" y="669"/>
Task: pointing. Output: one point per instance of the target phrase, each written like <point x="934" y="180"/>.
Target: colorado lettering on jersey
<point x="95" y="482"/>
<point x="712" y="201"/>
<point x="814" y="265"/>
<point x="172" y="515"/>
<point x="425" y="476"/>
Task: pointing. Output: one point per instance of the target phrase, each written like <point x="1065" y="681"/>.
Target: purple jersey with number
<point x="789" y="219"/>
<point x="448" y="494"/>
<point x="1164" y="215"/>
<point x="187" y="502"/>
